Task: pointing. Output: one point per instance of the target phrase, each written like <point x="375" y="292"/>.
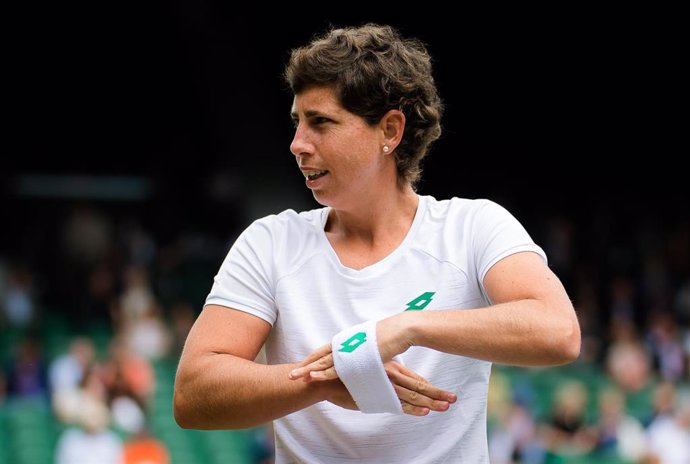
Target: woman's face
<point x="340" y="155"/>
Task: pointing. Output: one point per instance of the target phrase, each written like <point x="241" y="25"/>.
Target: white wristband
<point x="358" y="363"/>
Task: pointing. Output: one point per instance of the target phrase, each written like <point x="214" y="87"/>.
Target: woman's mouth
<point x="313" y="175"/>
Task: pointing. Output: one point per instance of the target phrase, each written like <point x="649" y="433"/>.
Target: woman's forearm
<point x="522" y="332"/>
<point x="221" y="391"/>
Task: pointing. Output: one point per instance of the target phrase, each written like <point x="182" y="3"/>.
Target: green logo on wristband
<point x="352" y="343"/>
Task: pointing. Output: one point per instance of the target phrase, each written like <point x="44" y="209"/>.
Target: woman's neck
<point x="383" y="217"/>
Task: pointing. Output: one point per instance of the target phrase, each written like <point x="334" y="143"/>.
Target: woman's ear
<point x="393" y="126"/>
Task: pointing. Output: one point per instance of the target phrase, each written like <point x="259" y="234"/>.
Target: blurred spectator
<point x="92" y="442"/>
<point x="512" y="435"/>
<point x="666" y="346"/>
<point x="128" y="373"/>
<point x="68" y="402"/>
<point x="669" y="434"/>
<point x="619" y="435"/>
<point x="148" y="336"/>
<point x="27" y="373"/>
<point x="144" y="448"/>
<point x="126" y="398"/>
<point x="567" y="434"/>
<point x="67" y="370"/>
<point x="663" y="401"/>
<point x="136" y="300"/>
<point x="128" y="414"/>
<point x="627" y="361"/>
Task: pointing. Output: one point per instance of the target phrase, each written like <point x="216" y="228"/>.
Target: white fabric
<point x="283" y="270"/>
<point x="362" y="371"/>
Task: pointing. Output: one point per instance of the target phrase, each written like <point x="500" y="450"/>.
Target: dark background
<point x="575" y="113"/>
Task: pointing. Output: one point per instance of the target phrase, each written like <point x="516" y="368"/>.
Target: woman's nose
<point x="300" y="145"/>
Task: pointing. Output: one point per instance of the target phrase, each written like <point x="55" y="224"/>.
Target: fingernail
<point x="443" y="405"/>
<point x="293" y="373"/>
<point x="452" y="397"/>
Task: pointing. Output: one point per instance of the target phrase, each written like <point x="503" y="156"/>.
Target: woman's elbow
<point x="181" y="410"/>
<point x="192" y="412"/>
<point x="571" y="351"/>
<point x="569" y="343"/>
<point x="185" y="406"/>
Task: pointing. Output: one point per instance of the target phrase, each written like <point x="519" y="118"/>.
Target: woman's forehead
<point x="320" y="99"/>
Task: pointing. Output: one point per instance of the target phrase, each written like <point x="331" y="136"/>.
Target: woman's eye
<point x="319" y="120"/>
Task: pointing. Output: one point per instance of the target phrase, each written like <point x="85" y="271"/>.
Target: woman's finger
<point x="408" y="372"/>
<point x="321" y="364"/>
<point x="413" y="410"/>
<point x="420" y="400"/>
<point x="413" y="382"/>
<point x="328" y="374"/>
<point x="320" y="352"/>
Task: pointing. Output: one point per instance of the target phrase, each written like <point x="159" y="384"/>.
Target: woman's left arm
<point x="531" y="323"/>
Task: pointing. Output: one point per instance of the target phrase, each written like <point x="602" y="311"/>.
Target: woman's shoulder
<point x="288" y="226"/>
<point x="286" y="238"/>
<point x="290" y="219"/>
<point x="457" y="206"/>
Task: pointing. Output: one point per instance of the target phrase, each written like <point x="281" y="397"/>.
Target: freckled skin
<point x="328" y="137"/>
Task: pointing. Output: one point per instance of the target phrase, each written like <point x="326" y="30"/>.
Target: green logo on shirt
<point x="352" y="343"/>
<point x="420" y="302"/>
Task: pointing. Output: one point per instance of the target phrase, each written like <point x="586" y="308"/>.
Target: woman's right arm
<point x="219" y="386"/>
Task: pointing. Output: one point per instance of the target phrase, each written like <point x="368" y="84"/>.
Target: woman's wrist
<point x="410" y="333"/>
<point x="399" y="333"/>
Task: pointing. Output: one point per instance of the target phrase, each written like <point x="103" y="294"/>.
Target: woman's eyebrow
<point x="308" y="114"/>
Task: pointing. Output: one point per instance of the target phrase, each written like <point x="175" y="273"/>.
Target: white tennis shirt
<point x="283" y="269"/>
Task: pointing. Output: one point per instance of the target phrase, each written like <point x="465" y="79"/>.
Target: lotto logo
<point x="352" y="343"/>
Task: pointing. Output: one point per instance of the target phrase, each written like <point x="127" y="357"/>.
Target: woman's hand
<point x="417" y="396"/>
<point x="318" y="365"/>
<point x="337" y="393"/>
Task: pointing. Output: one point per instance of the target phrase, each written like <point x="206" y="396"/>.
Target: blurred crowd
<point x="82" y="342"/>
<point x="627" y="399"/>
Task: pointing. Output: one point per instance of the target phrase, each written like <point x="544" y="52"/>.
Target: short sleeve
<point x="498" y="234"/>
<point x="245" y="279"/>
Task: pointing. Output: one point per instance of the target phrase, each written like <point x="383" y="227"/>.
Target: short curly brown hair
<point x="373" y="70"/>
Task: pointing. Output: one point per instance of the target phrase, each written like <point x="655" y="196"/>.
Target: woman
<point x="428" y="293"/>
